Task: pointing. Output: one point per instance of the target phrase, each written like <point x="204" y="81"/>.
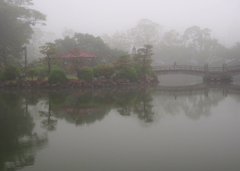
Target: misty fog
<point x="119" y="85"/>
<point x="182" y="31"/>
<point x="106" y="16"/>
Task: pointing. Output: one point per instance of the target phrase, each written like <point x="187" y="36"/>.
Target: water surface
<point x="128" y="129"/>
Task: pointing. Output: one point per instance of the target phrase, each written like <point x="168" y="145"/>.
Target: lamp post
<point x="133" y="51"/>
<point x="24" y="49"/>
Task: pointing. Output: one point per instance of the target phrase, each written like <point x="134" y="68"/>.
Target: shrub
<point x="57" y="75"/>
<point x="32" y="72"/>
<point x="85" y="73"/>
<point x="128" y="73"/>
<point x="138" y="69"/>
<point x="107" y="71"/>
<point x="97" y="72"/>
<point x="43" y="71"/>
<point x="150" y="71"/>
<point x="54" y="67"/>
<point x="123" y="62"/>
<point x="10" y="72"/>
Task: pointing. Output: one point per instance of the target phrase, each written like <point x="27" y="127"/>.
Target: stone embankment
<point x="73" y="83"/>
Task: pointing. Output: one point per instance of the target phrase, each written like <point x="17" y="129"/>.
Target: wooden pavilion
<point x="74" y="55"/>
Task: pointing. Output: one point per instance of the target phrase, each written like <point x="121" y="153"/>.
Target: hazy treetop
<point x="106" y="16"/>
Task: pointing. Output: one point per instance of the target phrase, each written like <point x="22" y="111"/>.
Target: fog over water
<point x="106" y="16"/>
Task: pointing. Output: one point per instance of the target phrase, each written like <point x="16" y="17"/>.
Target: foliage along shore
<point x="100" y="82"/>
<point x="125" y="72"/>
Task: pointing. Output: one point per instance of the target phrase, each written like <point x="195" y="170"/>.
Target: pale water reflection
<point x="119" y="130"/>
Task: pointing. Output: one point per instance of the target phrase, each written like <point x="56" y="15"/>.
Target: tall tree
<point x="123" y="62"/>
<point x="171" y="48"/>
<point x="143" y="58"/>
<point x="65" y="45"/>
<point x="38" y="38"/>
<point x="146" y="32"/>
<point x="201" y="46"/>
<point x="172" y="38"/>
<point x="90" y="44"/>
<point x="49" y="50"/>
<point x="119" y="40"/>
<point x="68" y="32"/>
<point x="15" y="28"/>
<point x="235" y="51"/>
<point x="19" y="2"/>
<point x="196" y="38"/>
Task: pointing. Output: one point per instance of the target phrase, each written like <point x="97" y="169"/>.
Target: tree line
<point x="194" y="46"/>
<point x="16" y="21"/>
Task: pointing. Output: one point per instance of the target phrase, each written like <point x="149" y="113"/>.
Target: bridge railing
<point x="197" y="68"/>
<point x="233" y="68"/>
<point x="215" y="69"/>
<point x="166" y="67"/>
<point x="178" y="67"/>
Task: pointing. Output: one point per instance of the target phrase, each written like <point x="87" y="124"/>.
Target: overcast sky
<point x="108" y="16"/>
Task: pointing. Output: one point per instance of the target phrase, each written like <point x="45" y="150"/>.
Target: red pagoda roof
<point x="78" y="53"/>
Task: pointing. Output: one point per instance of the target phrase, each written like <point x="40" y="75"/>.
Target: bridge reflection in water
<point x="198" y="89"/>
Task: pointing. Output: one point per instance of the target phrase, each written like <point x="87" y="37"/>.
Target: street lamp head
<point x="134" y="51"/>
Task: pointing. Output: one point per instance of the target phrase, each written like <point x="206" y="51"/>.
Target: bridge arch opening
<point x="179" y="80"/>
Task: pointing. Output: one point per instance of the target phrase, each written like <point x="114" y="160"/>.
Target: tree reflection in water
<point x="125" y="101"/>
<point x="143" y="107"/>
<point x="82" y="108"/>
<point x="135" y="102"/>
<point x="17" y="140"/>
<point x="86" y="107"/>
<point x="49" y="123"/>
<point x="193" y="106"/>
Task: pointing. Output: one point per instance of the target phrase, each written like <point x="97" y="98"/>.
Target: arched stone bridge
<point x="208" y="73"/>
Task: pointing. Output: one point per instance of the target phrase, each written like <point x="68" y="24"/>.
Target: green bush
<point x="10" y="72"/>
<point x="85" y="73"/>
<point x="43" y="71"/>
<point x="150" y="71"/>
<point x="128" y="73"/>
<point x="97" y="72"/>
<point x="138" y="69"/>
<point x="32" y="72"/>
<point x="57" y="75"/>
<point x="107" y="71"/>
<point x="54" y="67"/>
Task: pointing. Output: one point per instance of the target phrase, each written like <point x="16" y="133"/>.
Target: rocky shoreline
<point x="100" y="82"/>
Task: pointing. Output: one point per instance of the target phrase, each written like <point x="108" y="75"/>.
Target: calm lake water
<point x="120" y="130"/>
